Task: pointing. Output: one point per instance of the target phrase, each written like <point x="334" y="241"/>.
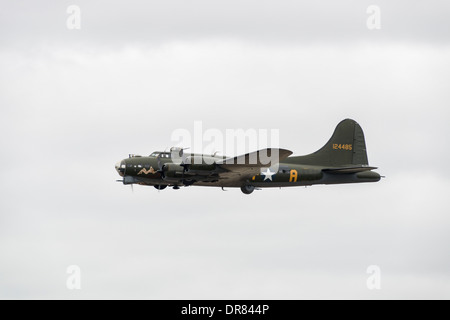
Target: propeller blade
<point x="159" y="162"/>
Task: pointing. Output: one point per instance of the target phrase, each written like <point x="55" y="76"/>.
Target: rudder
<point x="346" y="146"/>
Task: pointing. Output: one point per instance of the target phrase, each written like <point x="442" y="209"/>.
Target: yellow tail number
<point x="293" y="176"/>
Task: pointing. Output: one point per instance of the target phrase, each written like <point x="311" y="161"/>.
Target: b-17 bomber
<point x="343" y="159"/>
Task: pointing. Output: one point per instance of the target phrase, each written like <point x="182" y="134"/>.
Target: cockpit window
<point x="161" y="154"/>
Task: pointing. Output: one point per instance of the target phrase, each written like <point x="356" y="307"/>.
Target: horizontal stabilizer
<point x="349" y="169"/>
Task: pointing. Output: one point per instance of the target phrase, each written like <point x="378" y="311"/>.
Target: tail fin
<point x="345" y="147"/>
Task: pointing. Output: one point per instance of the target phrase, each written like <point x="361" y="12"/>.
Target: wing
<point x="262" y="158"/>
<point x="246" y="166"/>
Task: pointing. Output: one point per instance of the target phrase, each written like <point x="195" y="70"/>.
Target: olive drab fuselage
<point x="342" y="160"/>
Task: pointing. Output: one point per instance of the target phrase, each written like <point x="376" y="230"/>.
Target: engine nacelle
<point x="173" y="171"/>
<point x="129" y="180"/>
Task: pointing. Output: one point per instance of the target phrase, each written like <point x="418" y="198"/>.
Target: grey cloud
<point x="118" y="23"/>
<point x="74" y="103"/>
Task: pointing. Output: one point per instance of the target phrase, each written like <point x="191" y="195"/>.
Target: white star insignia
<point x="268" y="174"/>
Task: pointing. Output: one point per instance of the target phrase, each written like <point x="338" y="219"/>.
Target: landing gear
<point x="247" y="189"/>
<point x="175" y="187"/>
<point x="188" y="182"/>
<point x="160" y="186"/>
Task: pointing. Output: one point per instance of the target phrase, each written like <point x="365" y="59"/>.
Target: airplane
<point x="343" y="159"/>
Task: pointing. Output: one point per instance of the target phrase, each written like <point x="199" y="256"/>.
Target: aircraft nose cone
<point x="120" y="168"/>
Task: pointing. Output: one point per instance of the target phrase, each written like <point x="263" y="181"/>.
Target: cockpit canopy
<point x="174" y="150"/>
<point x="161" y="154"/>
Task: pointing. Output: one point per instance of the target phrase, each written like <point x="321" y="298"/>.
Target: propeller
<point x="160" y="165"/>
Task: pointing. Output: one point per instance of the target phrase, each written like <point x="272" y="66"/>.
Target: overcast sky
<point x="74" y="102"/>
